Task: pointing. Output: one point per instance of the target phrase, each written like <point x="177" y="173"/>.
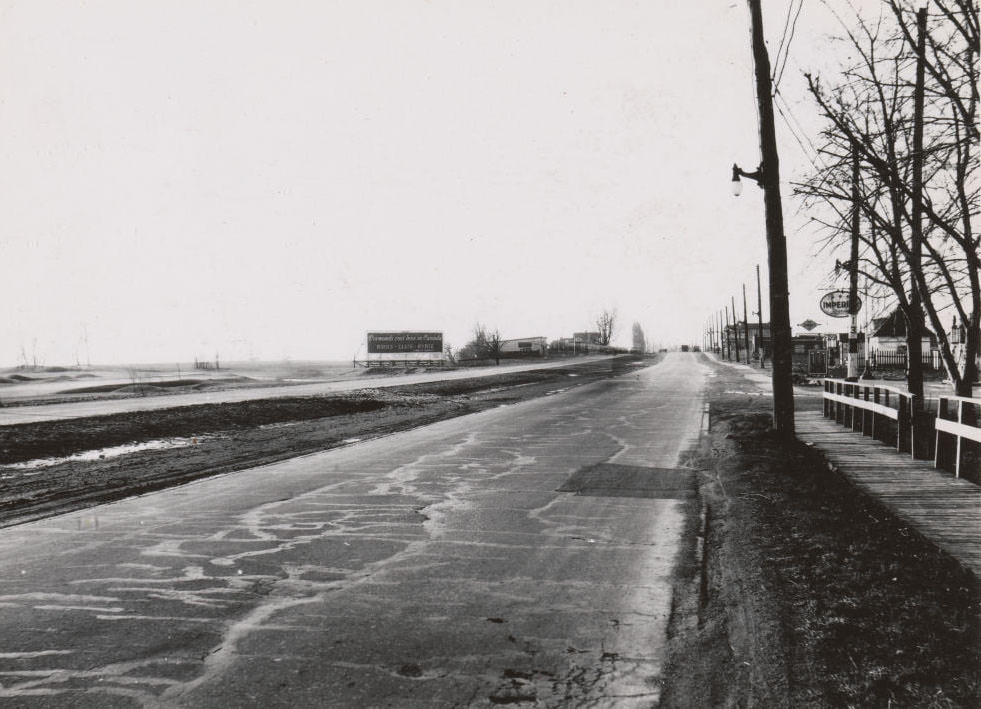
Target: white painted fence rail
<point x="886" y="414"/>
<point x="958" y="437"/>
<point x="875" y="410"/>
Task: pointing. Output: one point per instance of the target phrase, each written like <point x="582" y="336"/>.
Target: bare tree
<point x="606" y="325"/>
<point x="929" y="264"/>
<point x="486" y="344"/>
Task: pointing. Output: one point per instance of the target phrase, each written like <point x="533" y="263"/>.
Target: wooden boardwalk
<point x="944" y="509"/>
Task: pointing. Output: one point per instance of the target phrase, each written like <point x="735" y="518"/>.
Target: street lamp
<point x="737" y="186"/>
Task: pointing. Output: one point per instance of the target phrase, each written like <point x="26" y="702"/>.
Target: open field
<point x="22" y="386"/>
<point x="54" y="466"/>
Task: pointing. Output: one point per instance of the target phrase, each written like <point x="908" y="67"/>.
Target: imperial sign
<point x="835" y="304"/>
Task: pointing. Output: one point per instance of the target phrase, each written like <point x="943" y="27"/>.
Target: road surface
<point x="101" y="407"/>
<point x="439" y="567"/>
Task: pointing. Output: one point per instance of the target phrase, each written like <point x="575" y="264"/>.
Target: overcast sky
<point x="269" y="179"/>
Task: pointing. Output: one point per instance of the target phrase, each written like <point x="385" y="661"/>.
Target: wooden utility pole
<point x="853" y="274"/>
<point x="776" y="241"/>
<point x="728" y="342"/>
<point x="735" y="326"/>
<point x="746" y="326"/>
<point x="914" y="322"/>
<point x="759" y="313"/>
<point x="722" y="337"/>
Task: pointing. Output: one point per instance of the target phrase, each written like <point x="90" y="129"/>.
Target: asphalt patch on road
<point x="612" y="480"/>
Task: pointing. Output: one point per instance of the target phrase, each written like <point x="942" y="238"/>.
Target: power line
<point x="786" y="54"/>
<point x="800" y="129"/>
<point x="783" y="38"/>
<point x="810" y="153"/>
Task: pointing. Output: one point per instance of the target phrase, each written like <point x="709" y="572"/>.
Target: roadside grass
<point x="868" y="613"/>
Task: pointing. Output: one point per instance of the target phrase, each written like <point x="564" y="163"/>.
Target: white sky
<point x="179" y="178"/>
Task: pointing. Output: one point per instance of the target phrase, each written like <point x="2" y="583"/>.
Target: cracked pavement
<point x="433" y="568"/>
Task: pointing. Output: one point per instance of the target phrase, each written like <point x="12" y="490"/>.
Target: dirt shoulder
<point x="221" y="438"/>
<point x="809" y="594"/>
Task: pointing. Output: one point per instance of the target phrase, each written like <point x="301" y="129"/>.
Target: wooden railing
<point x="958" y="438"/>
<point x="882" y="412"/>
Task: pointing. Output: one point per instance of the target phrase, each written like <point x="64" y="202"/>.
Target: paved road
<point x="79" y="409"/>
<point x="434" y="568"/>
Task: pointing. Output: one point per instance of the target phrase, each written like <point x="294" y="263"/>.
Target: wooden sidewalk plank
<point x="945" y="509"/>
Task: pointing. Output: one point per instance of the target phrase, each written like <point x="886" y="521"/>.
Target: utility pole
<point x="776" y="241"/>
<point x="723" y="336"/>
<point x="746" y="325"/>
<point x="728" y="342"/>
<point x="853" y="274"/>
<point x="735" y="327"/>
<point x="759" y="312"/>
<point x="914" y="324"/>
<point x="722" y="342"/>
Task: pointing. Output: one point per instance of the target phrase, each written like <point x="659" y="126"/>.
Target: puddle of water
<point x="280" y="424"/>
<point x="111" y="452"/>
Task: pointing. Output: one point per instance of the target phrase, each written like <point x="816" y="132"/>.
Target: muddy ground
<point x="809" y="594"/>
<point x="226" y="437"/>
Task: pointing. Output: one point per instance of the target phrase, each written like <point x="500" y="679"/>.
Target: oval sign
<point x="835" y="304"/>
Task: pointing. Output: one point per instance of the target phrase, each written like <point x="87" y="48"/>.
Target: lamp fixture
<point x="737" y="186"/>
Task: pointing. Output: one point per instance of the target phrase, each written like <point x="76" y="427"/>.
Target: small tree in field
<point x="486" y="344"/>
<point x="606" y="325"/>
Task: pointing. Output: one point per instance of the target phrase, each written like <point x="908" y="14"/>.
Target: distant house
<point x="735" y="337"/>
<point x="809" y="342"/>
<point x="888" y="334"/>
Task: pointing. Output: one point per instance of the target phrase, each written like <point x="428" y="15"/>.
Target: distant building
<point x="756" y="340"/>
<point x="807" y="343"/>
<point x="888" y="334"/>
<point x="525" y="347"/>
<point x="587" y="338"/>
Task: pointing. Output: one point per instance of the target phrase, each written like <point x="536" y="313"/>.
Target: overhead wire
<point x="783" y="38"/>
<point x="790" y="39"/>
<point x="811" y="150"/>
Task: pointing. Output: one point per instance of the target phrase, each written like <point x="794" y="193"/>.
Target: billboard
<point x="392" y="343"/>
